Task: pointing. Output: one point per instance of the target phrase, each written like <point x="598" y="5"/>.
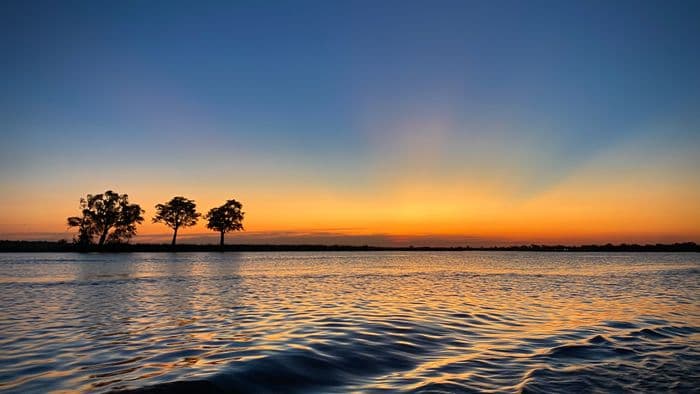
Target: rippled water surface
<point x="338" y="322"/>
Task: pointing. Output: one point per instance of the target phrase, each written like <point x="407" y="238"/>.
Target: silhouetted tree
<point x="176" y="213"/>
<point x="86" y="229"/>
<point x="105" y="212"/>
<point x="225" y="218"/>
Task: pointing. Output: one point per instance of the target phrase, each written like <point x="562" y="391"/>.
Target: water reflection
<point x="350" y="321"/>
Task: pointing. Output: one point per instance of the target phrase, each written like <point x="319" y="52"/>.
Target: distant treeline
<point x="63" y="246"/>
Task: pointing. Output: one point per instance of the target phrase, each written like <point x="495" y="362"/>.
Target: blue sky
<point x="341" y="95"/>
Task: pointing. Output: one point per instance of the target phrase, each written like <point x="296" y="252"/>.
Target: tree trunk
<point x="221" y="242"/>
<point x="174" y="237"/>
<point x="103" y="237"/>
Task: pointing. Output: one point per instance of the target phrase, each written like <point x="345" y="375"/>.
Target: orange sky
<point x="620" y="195"/>
<point x="399" y="124"/>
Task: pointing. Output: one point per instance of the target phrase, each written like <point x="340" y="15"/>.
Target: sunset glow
<point x="338" y="133"/>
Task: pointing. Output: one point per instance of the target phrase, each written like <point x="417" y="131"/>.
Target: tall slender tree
<point x="108" y="216"/>
<point x="225" y="218"/>
<point x="176" y="213"/>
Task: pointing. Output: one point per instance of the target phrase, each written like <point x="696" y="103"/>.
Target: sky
<point x="358" y="122"/>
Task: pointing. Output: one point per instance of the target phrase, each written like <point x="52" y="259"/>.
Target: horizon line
<point x="351" y="246"/>
<point x="65" y="247"/>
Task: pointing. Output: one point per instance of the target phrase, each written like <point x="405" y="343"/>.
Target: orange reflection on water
<point x="359" y="321"/>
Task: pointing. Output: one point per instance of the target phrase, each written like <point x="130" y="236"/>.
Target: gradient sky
<point x="383" y="122"/>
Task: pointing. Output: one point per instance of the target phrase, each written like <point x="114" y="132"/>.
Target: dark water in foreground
<point x="338" y="322"/>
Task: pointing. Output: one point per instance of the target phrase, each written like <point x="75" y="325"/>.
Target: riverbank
<point x="8" y="246"/>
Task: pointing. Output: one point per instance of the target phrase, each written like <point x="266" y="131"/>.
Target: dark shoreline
<point x="51" y="246"/>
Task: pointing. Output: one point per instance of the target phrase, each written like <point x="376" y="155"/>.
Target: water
<point x="339" y="322"/>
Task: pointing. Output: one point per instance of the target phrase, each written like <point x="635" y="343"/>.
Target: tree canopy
<point x="176" y="213"/>
<point x="228" y="217"/>
<point x="107" y="216"/>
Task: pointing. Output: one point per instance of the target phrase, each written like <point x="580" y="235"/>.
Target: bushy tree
<point x="176" y="213"/>
<point x="225" y="218"/>
<point x="86" y="230"/>
<point x="107" y="216"/>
